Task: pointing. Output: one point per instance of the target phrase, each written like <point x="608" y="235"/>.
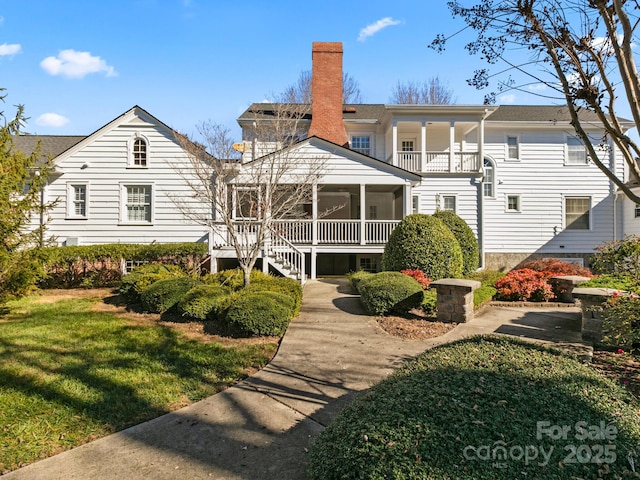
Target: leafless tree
<point x="245" y="195"/>
<point x="430" y="92"/>
<point x="580" y="50"/>
<point x="300" y="91"/>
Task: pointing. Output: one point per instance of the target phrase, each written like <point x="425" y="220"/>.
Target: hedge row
<point x="101" y="265"/>
<point x="265" y="307"/>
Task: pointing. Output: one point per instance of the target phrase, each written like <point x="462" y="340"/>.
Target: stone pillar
<point x="455" y="299"/>
<point x="590" y="299"/>
<point x="563" y="286"/>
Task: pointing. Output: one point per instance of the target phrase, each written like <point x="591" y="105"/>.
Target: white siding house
<point x="516" y="174"/>
<point x="117" y="185"/>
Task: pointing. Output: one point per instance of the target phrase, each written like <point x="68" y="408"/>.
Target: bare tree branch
<point x="431" y="92"/>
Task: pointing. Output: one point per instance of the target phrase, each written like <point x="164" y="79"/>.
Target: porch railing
<point x="325" y="232"/>
<point x="438" y="162"/>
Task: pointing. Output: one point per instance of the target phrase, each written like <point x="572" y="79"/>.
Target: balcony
<point x="439" y="162"/>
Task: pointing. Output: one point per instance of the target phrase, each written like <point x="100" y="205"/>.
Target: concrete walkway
<point x="263" y="427"/>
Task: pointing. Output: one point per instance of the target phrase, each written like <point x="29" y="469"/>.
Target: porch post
<point x="481" y="193"/>
<point x="423" y="148"/>
<point x="407" y="206"/>
<point x="452" y="138"/>
<point x="394" y="143"/>
<point x="313" y="255"/>
<point x="363" y="212"/>
<point x="314" y="219"/>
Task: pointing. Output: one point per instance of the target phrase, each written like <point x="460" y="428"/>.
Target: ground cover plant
<point x="71" y="373"/>
<point x="469" y="411"/>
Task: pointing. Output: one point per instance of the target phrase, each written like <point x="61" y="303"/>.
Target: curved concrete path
<point x="263" y="427"/>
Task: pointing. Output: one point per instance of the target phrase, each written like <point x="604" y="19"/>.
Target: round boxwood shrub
<point x="390" y="292"/>
<point x="205" y="302"/>
<point x="356" y="277"/>
<point x="287" y="286"/>
<point x="467" y="240"/>
<point x="163" y="295"/>
<point x="132" y="285"/>
<point x="234" y="279"/>
<point x="425" y="243"/>
<point x="260" y="313"/>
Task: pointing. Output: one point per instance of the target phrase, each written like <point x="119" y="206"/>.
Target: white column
<point x="481" y="193"/>
<point x="314" y="218"/>
<point x="394" y="144"/>
<point x="313" y="273"/>
<point x="363" y="212"/>
<point x="423" y="146"/>
<point x="452" y="143"/>
<point x="407" y="207"/>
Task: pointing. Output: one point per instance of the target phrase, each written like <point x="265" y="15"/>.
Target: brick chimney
<point x="326" y="90"/>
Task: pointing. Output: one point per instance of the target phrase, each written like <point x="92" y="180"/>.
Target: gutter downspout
<point x="481" y="190"/>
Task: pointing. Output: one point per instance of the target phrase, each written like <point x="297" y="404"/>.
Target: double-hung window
<point x="137" y="203"/>
<point x="448" y="203"/>
<point x="488" y="182"/>
<point x="576" y="152"/>
<point x="513" y="203"/>
<point x="513" y="148"/>
<point x="361" y="144"/>
<point x="77" y="201"/>
<point x="138" y="151"/>
<point x="577" y="213"/>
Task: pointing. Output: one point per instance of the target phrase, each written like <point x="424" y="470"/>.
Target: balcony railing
<point x="438" y="162"/>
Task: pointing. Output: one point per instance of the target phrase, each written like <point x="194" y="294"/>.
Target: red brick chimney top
<point x="326" y="93"/>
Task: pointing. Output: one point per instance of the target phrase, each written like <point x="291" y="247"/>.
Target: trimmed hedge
<point x="260" y="313"/>
<point x="467" y="240"/>
<point x="390" y="292"/>
<point x="425" y="243"/>
<point x="356" y="277"/>
<point x="205" y="302"/>
<point x="234" y="279"/>
<point x="163" y="295"/>
<point x="432" y="418"/>
<point x="143" y="276"/>
<point x="101" y="265"/>
<point x="287" y="286"/>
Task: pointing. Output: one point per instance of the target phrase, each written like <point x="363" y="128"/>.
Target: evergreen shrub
<point x="390" y="292"/>
<point x="466" y="238"/>
<point x="425" y="243"/>
<point x="260" y="313"/>
<point x="164" y="295"/>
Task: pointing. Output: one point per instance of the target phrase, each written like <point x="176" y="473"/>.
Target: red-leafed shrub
<point x="419" y="276"/>
<point x="555" y="267"/>
<point x="524" y="285"/>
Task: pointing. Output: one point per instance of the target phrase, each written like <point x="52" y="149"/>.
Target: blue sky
<point x="76" y="65"/>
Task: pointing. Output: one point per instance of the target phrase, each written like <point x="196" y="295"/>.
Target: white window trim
<point x="564" y="213"/>
<point x="372" y="143"/>
<point x="123" y="202"/>
<point x="130" y="143"/>
<point x="70" y="210"/>
<point x="567" y="163"/>
<point x="415" y="203"/>
<point x="506" y="202"/>
<point x="636" y="210"/>
<point x="506" y="148"/>
<point x="441" y="201"/>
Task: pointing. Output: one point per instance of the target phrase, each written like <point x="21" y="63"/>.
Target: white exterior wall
<point x="464" y="188"/>
<point x="106" y="156"/>
<point x="542" y="180"/>
<point x="630" y="224"/>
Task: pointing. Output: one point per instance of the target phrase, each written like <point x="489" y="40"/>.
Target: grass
<point x="69" y="374"/>
<point x="432" y="419"/>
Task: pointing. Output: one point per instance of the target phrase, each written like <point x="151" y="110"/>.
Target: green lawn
<point x="69" y="374"/>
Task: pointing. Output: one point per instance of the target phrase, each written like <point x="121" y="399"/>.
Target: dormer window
<point x="138" y="151"/>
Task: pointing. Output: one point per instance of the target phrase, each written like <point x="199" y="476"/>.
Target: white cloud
<point x="9" y="49"/>
<point x="52" y="120"/>
<point x="73" y="64"/>
<point x="538" y="87"/>
<point x="508" y="98"/>
<point x="1" y="20"/>
<point x="374" y="28"/>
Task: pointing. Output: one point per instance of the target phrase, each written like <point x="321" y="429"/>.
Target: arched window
<point x="139" y="153"/>
<point x="489" y="180"/>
